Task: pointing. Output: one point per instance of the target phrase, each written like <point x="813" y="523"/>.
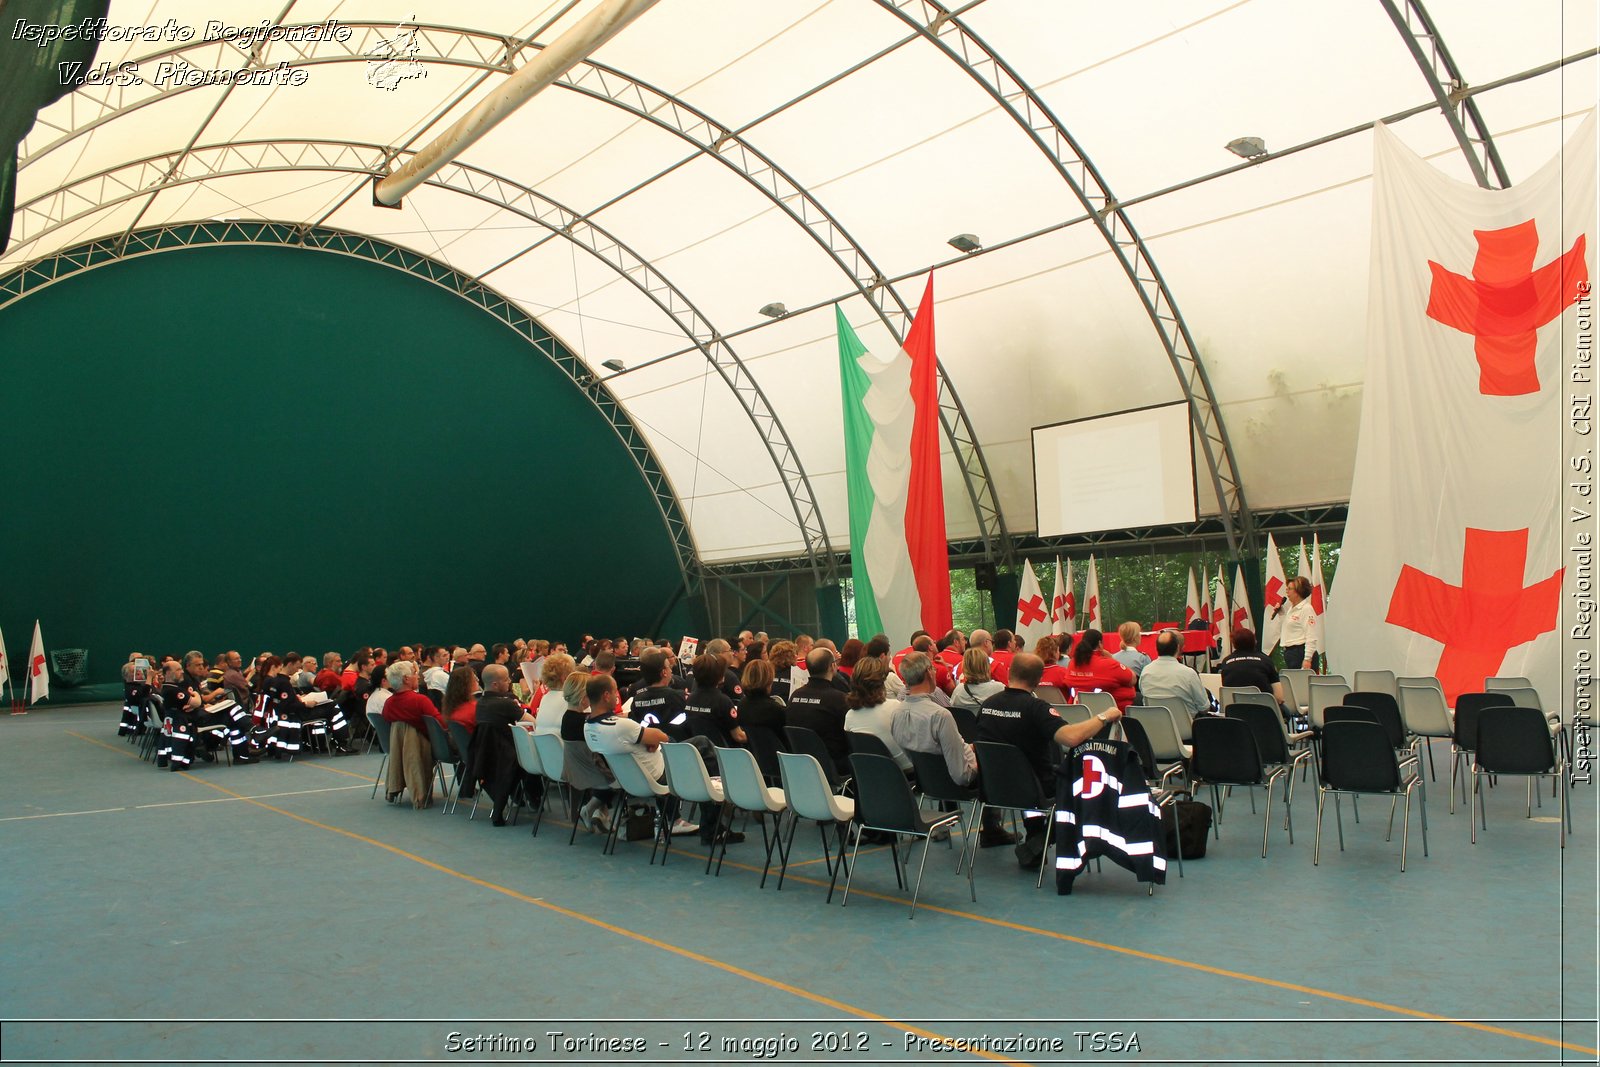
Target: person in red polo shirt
<point x="1093" y="668"/>
<point x="1000" y="658"/>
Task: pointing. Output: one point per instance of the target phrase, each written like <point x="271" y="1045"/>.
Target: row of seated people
<point x="716" y="707"/>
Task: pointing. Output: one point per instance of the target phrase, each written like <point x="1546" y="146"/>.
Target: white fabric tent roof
<point x="1268" y="264"/>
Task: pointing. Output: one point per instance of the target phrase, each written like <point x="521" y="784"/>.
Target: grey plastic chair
<point x="1327" y="691"/>
<point x="1096" y="701"/>
<point x="1376" y="682"/>
<point x="1423" y="710"/>
<point x="689" y="780"/>
<point x="637" y="785"/>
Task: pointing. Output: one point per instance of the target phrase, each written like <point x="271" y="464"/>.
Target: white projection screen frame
<point x="1115" y="472"/>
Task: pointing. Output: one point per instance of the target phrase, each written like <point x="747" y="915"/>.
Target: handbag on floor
<point x="1187" y="823"/>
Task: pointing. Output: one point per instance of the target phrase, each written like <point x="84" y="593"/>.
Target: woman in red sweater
<point x="1093" y="668"/>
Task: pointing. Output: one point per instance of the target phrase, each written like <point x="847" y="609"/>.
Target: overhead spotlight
<point x="616" y="366"/>
<point x="1247" y="147"/>
<point x="965" y="242"/>
<point x="775" y="310"/>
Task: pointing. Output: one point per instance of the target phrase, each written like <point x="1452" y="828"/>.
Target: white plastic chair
<point x="688" y="780"/>
<point x="1096" y="701"/>
<point x="528" y="760"/>
<point x="806" y="789"/>
<point x="746" y="789"/>
<point x="639" y="786"/>
<point x="1377" y="682"/>
<point x="1423" y="711"/>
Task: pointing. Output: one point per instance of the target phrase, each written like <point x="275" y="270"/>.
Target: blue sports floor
<point x="276" y="913"/>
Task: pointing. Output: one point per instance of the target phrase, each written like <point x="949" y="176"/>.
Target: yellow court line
<point x="1272" y="983"/>
<point x="740" y="972"/>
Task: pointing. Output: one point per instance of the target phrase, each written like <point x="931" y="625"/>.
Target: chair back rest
<point x="1469" y="709"/>
<point x="805" y="786"/>
<point x="1256" y="697"/>
<point x="872" y="744"/>
<point x="1514" y="740"/>
<point x="808" y="741"/>
<point x="1231" y="694"/>
<point x="460" y="739"/>
<point x="1225" y="751"/>
<point x="1266" y="727"/>
<point x="1326" y="691"/>
<point x="1377" y="682"/>
<point x="1095" y="700"/>
<point x="438" y="739"/>
<point x="631" y="777"/>
<point x="1347" y="713"/>
<point x="552" y="756"/>
<point x="380" y="730"/>
<point x="933" y="777"/>
<point x="1357" y="756"/>
<point x="1523" y="696"/>
<point x="1050" y="694"/>
<point x="1420" y="679"/>
<point x="765" y="744"/>
<point x="883" y="798"/>
<point x="1295" y="689"/>
<point x="1133" y="730"/>
<point x="1422" y="709"/>
<point x="1161" y="729"/>
<point x="1072" y="714"/>
<point x="527" y="755"/>
<point x="1506" y="681"/>
<point x="1384" y="708"/>
<point x="687" y="776"/>
<point x="1006" y="778"/>
<point x="966" y="722"/>
<point x="582" y="770"/>
<point x="741" y="778"/>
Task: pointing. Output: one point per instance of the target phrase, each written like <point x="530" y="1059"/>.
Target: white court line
<point x="182" y="803"/>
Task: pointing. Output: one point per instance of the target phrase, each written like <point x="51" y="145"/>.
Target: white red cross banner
<point x="1452" y="557"/>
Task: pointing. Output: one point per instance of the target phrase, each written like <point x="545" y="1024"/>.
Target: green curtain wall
<point x="265" y="448"/>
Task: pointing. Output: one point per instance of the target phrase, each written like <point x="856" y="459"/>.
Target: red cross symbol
<point x="1072" y="606"/>
<point x="1240" y="616"/>
<point x="1505" y="302"/>
<point x="1094" y="608"/>
<point x="1484" y="617"/>
<point x="1059" y="608"/>
<point x="38" y="665"/>
<point x="1273" y="594"/>
<point x="1093" y="779"/>
<point x="1031" y="610"/>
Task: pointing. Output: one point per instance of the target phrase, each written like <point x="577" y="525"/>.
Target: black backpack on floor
<point x="1186" y="821"/>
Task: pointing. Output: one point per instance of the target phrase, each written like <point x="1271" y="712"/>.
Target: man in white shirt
<point x="436" y="675"/>
<point x="1170" y="683"/>
<point x="611" y="733"/>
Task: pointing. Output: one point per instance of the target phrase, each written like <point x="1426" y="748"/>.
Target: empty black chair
<point x="1225" y="753"/>
<point x="1469" y="708"/>
<point x="884" y="803"/>
<point x="1517" y="741"/>
<point x="1349" y="713"/>
<point x="1357" y="758"/>
<point x="810" y="743"/>
<point x="1386" y="709"/>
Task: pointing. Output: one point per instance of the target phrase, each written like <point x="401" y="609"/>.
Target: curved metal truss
<point x="136" y="178"/>
<point x="951" y="36"/>
<point x="1459" y="109"/>
<point x="91" y="107"/>
<point x="157" y="239"/>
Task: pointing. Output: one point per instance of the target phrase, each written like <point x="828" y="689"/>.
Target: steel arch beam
<point x="952" y="37"/>
<point x="44" y="214"/>
<point x="94" y="106"/>
<point x="153" y="240"/>
<point x="1444" y="78"/>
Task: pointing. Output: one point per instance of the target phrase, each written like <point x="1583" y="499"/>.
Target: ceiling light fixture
<point x="965" y="242"/>
<point x="1247" y="147"/>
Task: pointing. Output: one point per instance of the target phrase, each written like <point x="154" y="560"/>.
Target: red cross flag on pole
<point x="1452" y="558"/>
<point x="38" y="669"/>
<point x="1241" y="602"/>
<point x="5" y="665"/>
<point x="1033" y="613"/>
<point x="1219" y="615"/>
<point x="1058" y="602"/>
<point x="1091" y="598"/>
<point x="1191" y="601"/>
<point x="1272" y="598"/>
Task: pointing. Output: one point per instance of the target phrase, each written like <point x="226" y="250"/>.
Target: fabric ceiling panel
<point x="576" y="149"/>
<point x="1489" y="40"/>
<point x="1283" y="72"/>
<point x="799" y="48"/>
<point x="953" y="184"/>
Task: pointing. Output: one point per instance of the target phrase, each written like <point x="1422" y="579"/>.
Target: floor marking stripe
<point x="178" y="803"/>
<point x="1172" y="961"/>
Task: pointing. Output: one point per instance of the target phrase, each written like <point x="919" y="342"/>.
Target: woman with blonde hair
<point x="977" y="684"/>
<point x="551" y="704"/>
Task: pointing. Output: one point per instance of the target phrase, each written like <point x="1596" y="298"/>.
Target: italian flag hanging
<point x="899" y="556"/>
